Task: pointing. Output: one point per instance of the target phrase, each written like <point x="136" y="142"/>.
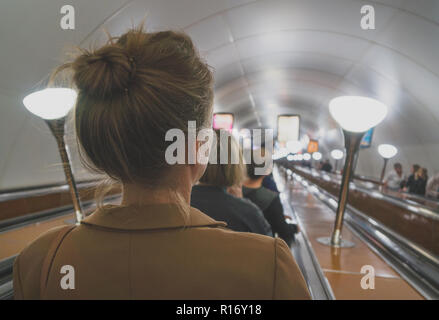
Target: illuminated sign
<point x="223" y="121"/>
<point x="367" y="139"/>
<point x="288" y="128"/>
<point x="313" y="146"/>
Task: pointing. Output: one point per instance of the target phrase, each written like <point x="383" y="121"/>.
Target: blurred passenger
<point x="425" y="173"/>
<point x="236" y="191"/>
<point x="269" y="202"/>
<point x="319" y="165"/>
<point x="269" y="183"/>
<point x="394" y="178"/>
<point x="422" y="181"/>
<point x="432" y="189"/>
<point x="409" y="184"/>
<point x="419" y="183"/>
<point x="211" y="196"/>
<point x="131" y="92"/>
<point x="326" y="166"/>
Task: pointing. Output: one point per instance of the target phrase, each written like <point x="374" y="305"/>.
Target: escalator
<point x="414" y="263"/>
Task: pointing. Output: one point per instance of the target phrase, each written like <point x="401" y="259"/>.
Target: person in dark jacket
<point x="270" y="204"/>
<point x="419" y="182"/>
<point x="211" y="196"/>
<point x="268" y="182"/>
<point x="327" y="166"/>
<point x="409" y="184"/>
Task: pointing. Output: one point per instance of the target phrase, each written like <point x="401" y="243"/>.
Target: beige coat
<point x="150" y="252"/>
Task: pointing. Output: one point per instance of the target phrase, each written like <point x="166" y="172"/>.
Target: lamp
<point x="306" y="157"/>
<point x="317" y="156"/>
<point x="337" y="154"/>
<point x="52" y="105"/>
<point x="387" y="151"/>
<point x="355" y="115"/>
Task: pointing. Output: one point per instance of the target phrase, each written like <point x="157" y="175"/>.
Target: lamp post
<point x="336" y="154"/>
<point x="316" y="156"/>
<point x="387" y="151"/>
<point x="355" y="115"/>
<point x="52" y="105"/>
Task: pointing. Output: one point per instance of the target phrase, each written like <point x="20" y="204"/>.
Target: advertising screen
<point x="367" y="139"/>
<point x="313" y="146"/>
<point x="288" y="128"/>
<point x="223" y="121"/>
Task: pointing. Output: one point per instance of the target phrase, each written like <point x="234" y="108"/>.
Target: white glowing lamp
<point x="337" y="154"/>
<point x="280" y="153"/>
<point x="357" y="114"/>
<point x="300" y="157"/>
<point x="306" y="157"/>
<point x="317" y="156"/>
<point x="50" y="103"/>
<point x="387" y="151"/>
<point x="290" y="157"/>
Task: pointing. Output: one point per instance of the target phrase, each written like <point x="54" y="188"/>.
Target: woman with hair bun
<point x="131" y="92"/>
<point x="212" y="197"/>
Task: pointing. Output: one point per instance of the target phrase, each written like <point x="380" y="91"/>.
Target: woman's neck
<point x="174" y="187"/>
<point x="134" y="194"/>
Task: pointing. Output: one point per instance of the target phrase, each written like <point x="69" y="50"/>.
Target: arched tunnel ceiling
<point x="269" y="56"/>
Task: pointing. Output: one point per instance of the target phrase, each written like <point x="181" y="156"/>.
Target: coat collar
<point x="149" y="217"/>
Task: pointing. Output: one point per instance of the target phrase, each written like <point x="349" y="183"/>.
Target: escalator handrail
<point x="6" y="265"/>
<point x="8" y="195"/>
<point x="410" y="206"/>
<point x="416" y="262"/>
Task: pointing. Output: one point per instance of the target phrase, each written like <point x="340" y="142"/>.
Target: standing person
<point x="211" y="196"/>
<point x="394" y="178"/>
<point x="326" y="166"/>
<point x="131" y="92"/>
<point x="409" y="184"/>
<point x="269" y="183"/>
<point x="270" y="204"/>
<point x="432" y="188"/>
<point x="421" y="182"/>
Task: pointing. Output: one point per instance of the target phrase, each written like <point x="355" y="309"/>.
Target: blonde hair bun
<point x="104" y="72"/>
<point x="131" y="92"/>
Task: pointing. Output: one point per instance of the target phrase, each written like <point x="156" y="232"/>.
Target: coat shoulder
<point x="28" y="265"/>
<point x="270" y="259"/>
